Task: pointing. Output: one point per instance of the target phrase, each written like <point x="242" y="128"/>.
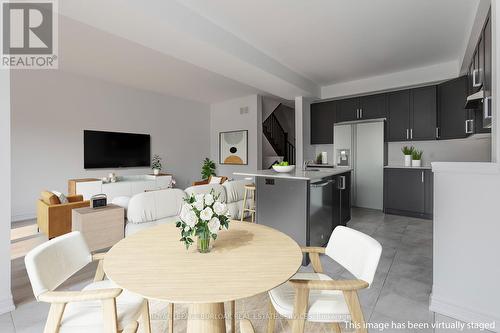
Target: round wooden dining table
<point x="245" y="260"/>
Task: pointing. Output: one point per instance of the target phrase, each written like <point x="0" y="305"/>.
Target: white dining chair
<point x="316" y="297"/>
<point x="100" y="307"/>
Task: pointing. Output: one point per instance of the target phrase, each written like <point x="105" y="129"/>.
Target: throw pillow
<point x="62" y="197"/>
<point x="215" y="180"/>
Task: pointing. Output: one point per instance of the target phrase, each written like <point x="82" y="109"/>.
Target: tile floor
<point x="400" y="292"/>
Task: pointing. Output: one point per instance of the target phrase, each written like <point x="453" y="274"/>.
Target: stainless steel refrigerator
<point x="360" y="145"/>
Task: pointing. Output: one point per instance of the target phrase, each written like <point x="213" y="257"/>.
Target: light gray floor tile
<point x="6" y="323"/>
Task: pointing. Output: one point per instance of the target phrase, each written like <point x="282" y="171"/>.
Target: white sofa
<point x="157" y="207"/>
<point x="153" y="208"/>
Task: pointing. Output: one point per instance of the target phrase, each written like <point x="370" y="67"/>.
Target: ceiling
<point x="221" y="49"/>
<point x="332" y="41"/>
<point x="105" y="56"/>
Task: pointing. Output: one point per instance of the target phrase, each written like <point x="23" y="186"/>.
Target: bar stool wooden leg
<point x="243" y="209"/>
<point x="252" y="207"/>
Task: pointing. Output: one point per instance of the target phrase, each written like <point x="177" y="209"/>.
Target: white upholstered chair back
<point x="155" y="205"/>
<point x="205" y="189"/>
<point x="51" y="263"/>
<point x="355" y="251"/>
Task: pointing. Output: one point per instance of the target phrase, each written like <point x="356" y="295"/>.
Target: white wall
<point x="303" y="148"/>
<point x="6" y="303"/>
<point x="391" y="81"/>
<point x="50" y="110"/>
<point x="226" y="117"/>
<point x="476" y="148"/>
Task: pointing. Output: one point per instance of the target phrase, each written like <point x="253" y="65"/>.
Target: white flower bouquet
<point x="202" y="215"/>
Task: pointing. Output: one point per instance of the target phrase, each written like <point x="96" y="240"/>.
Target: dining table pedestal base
<point x="206" y="318"/>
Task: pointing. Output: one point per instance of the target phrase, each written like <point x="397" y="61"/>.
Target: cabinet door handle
<point x="474" y="74"/>
<point x="422" y="176"/>
<point x="468" y="126"/>
<point x="360" y="113"/>
<point x="411" y="133"/>
<point x="437" y="132"/>
<point x="342" y="183"/>
<point x="407" y="134"/>
<point x="487" y="108"/>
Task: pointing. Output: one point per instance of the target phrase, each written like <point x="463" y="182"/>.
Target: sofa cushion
<point x="50" y="198"/>
<point x="205" y="189"/>
<point x="156" y="205"/>
<point x="132" y="228"/>
<point x="235" y="190"/>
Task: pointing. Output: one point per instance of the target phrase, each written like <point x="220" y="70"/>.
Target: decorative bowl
<point x="288" y="168"/>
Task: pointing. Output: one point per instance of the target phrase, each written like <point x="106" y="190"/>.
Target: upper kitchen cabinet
<point x="423" y="113"/>
<point x="359" y="108"/>
<point x="322" y="119"/>
<point x="348" y="109"/>
<point x="453" y="122"/>
<point x="398" y="112"/>
<point x="372" y="106"/>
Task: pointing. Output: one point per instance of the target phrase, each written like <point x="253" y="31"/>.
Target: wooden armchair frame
<point x="59" y="299"/>
<point x="302" y="288"/>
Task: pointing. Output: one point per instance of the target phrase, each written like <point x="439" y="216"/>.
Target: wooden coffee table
<point x="245" y="260"/>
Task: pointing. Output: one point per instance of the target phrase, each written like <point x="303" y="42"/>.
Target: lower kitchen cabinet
<point x="342" y="199"/>
<point x="408" y="192"/>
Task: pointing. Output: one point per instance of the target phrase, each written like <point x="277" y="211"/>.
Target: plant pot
<point x="204" y="244"/>
<point x="407" y="160"/>
<point x="416" y="163"/>
<point x="156" y="172"/>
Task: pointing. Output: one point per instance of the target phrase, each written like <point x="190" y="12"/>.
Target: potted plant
<point x="156" y="164"/>
<point x="202" y="216"/>
<point x="417" y="158"/>
<point x="407" y="152"/>
<point x="207" y="168"/>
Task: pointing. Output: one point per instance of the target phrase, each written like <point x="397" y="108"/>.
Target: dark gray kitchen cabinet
<point x="348" y="109"/>
<point x="322" y="119"/>
<point x="372" y="106"/>
<point x="423" y="111"/>
<point x="453" y="122"/>
<point x="408" y="192"/>
<point x="344" y="185"/>
<point x="429" y="193"/>
<point x="398" y="114"/>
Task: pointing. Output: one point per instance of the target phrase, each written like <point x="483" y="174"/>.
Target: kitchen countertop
<point x="399" y="166"/>
<point x="298" y="174"/>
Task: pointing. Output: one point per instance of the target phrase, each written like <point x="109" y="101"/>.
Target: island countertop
<point x="298" y="174"/>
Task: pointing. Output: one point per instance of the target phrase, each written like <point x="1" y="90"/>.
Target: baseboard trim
<point x="461" y="312"/>
<point x="407" y="213"/>
<point x="23" y="217"/>
<point x="7" y="305"/>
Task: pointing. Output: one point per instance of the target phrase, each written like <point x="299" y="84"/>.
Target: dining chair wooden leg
<point x="171" y="318"/>
<point x="271" y="321"/>
<point x="109" y="312"/>
<point x="146" y="320"/>
<point x="244" y="205"/>
<point x="233" y="316"/>
<point x="357" y="318"/>
<point x="54" y="318"/>
<point x="336" y="328"/>
<point x="300" y="310"/>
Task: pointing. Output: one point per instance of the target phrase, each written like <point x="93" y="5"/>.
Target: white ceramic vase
<point x="156" y="172"/>
<point x="416" y="163"/>
<point x="407" y="160"/>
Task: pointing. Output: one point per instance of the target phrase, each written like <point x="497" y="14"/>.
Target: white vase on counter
<point x="407" y="160"/>
<point x="416" y="163"/>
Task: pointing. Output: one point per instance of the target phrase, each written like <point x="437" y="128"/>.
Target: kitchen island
<point x="306" y="205"/>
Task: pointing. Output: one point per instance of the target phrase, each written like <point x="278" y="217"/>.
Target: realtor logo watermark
<point x="29" y="34"/>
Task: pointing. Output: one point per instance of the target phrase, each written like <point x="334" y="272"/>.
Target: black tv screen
<point x="116" y="150"/>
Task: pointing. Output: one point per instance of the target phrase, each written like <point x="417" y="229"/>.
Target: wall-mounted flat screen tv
<point x="116" y="150"/>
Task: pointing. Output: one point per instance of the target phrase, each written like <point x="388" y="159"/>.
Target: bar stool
<point x="250" y="188"/>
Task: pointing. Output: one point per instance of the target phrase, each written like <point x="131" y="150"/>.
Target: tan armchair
<point x="54" y="218"/>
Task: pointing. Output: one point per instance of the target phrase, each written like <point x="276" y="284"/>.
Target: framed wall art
<point x="233" y="147"/>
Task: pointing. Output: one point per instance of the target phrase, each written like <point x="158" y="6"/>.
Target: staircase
<point x="278" y="138"/>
